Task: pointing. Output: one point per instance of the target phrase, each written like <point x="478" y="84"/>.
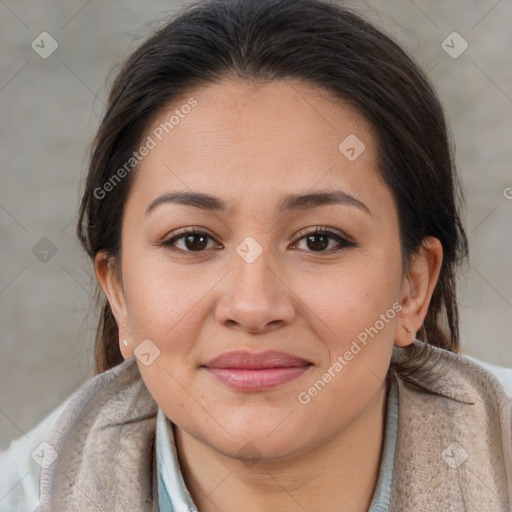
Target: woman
<point x="272" y="211"/>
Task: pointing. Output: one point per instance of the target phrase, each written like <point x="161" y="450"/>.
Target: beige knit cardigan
<point x="453" y="451"/>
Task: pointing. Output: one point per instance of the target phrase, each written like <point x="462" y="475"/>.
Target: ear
<point x="109" y="279"/>
<point x="417" y="289"/>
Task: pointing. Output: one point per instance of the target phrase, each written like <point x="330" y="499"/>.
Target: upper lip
<point x="256" y="361"/>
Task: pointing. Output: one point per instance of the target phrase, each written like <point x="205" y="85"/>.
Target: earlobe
<point x="417" y="289"/>
<point x="126" y="348"/>
<point x="108" y="278"/>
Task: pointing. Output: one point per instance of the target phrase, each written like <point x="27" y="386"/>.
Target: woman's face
<point x="252" y="280"/>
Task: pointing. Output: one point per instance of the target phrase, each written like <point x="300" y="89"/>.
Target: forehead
<point x="245" y="141"/>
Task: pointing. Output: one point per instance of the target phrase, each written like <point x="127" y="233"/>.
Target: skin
<point x="251" y="145"/>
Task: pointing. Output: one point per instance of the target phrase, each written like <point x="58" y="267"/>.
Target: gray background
<point x="50" y="109"/>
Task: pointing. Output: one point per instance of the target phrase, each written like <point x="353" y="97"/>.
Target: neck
<point x="342" y="471"/>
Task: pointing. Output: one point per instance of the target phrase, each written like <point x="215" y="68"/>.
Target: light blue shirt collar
<point x="381" y="496"/>
<point x="173" y="495"/>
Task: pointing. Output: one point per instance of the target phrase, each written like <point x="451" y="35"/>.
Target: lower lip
<point x="257" y="380"/>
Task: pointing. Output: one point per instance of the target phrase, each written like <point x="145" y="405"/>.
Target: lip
<point x="248" y="371"/>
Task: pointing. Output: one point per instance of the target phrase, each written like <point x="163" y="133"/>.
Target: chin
<point x="262" y="441"/>
<point x="251" y="452"/>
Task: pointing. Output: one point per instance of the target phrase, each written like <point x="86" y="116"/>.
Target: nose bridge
<point x="254" y="276"/>
<point x="256" y="296"/>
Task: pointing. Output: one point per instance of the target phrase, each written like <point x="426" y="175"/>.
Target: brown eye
<point x="319" y="240"/>
<point x="193" y="241"/>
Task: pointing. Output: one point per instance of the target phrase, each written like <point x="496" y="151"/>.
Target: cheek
<point x="355" y="316"/>
<point x="351" y="299"/>
<point x="164" y="301"/>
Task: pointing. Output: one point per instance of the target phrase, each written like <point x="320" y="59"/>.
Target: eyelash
<point x="342" y="241"/>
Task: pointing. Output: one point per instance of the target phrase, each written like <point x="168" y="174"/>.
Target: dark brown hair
<point x="321" y="44"/>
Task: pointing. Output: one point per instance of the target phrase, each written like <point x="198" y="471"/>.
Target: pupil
<point x="193" y="246"/>
<point x="320" y="246"/>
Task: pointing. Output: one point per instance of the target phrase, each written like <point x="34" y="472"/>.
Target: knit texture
<point x="453" y="450"/>
<point x="105" y="441"/>
<point x="453" y="444"/>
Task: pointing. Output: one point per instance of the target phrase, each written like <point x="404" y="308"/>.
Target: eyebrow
<point x="288" y="203"/>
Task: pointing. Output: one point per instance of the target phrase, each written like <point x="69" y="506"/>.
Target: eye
<point x="318" y="240"/>
<point x="193" y="239"/>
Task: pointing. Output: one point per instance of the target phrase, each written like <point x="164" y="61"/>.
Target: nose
<point x="256" y="298"/>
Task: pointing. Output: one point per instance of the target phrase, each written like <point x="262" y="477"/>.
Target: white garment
<point x="19" y="472"/>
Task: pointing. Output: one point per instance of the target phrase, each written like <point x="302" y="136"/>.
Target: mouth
<point x="246" y="371"/>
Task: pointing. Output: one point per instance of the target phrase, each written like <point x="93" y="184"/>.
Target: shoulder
<point x="453" y="409"/>
<point x="468" y="379"/>
<point x="113" y="413"/>
<point x="20" y="466"/>
<point x="503" y="373"/>
<point x="21" y="462"/>
<point x="454" y="375"/>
